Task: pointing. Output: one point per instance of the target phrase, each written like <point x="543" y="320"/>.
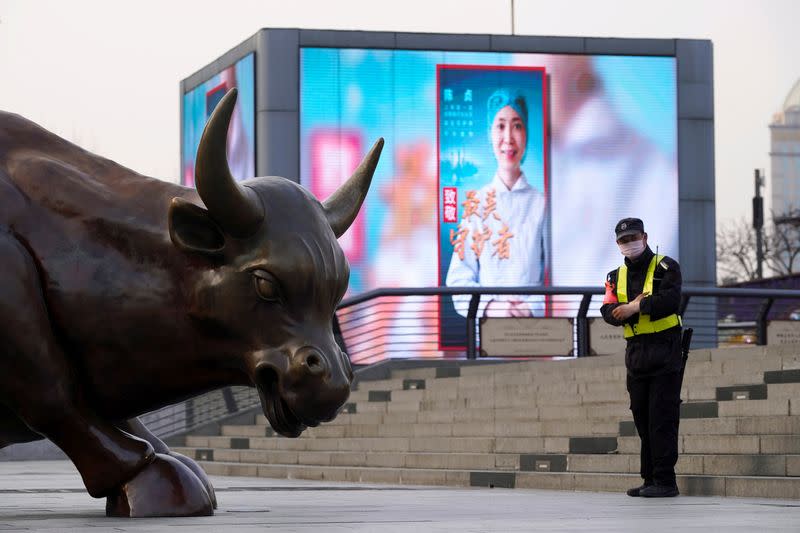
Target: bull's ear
<point x="192" y="229"/>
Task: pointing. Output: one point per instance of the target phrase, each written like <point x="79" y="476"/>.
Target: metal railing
<point x="418" y="322"/>
<point x="184" y="417"/>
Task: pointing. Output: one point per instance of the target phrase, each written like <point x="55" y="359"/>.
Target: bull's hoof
<point x="166" y="487"/>
<point x="199" y="472"/>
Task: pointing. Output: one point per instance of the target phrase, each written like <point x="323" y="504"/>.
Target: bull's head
<point x="275" y="278"/>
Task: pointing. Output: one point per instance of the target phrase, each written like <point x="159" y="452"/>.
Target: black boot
<point x="636" y="491"/>
<point x="659" y="491"/>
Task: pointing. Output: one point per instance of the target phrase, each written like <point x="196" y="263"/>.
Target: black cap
<point x="629" y="226"/>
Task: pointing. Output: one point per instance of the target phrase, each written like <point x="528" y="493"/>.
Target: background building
<point x="785" y="157"/>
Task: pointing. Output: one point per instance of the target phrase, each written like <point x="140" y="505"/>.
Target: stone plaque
<point x="605" y="339"/>
<point x="526" y="336"/>
<point x="783" y="332"/>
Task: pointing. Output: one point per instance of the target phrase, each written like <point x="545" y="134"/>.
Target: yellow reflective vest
<point x="644" y="325"/>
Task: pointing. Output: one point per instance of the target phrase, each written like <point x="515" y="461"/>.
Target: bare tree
<point x="736" y="252"/>
<point x="736" y="248"/>
<point x="785" y="243"/>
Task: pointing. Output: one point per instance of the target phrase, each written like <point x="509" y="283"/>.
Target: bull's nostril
<point x="314" y="363"/>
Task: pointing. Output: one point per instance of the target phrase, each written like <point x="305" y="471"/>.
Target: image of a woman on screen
<point x="501" y="239"/>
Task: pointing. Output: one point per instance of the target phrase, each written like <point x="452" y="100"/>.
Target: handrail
<point x="552" y="291"/>
<point x="734" y="291"/>
<point x="449" y="291"/>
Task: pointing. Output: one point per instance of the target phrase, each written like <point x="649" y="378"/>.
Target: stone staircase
<point x="540" y="424"/>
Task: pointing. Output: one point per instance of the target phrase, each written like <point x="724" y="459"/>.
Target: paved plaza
<point x="49" y="496"/>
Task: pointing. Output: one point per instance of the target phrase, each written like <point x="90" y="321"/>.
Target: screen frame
<point x="228" y="60"/>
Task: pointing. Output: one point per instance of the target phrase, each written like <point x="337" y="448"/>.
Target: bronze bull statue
<point x="121" y="294"/>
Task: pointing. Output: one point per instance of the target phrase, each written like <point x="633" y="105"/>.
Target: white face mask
<point x="632" y="249"/>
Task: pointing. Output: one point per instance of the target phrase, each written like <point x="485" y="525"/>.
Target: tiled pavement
<point x="49" y="496"/>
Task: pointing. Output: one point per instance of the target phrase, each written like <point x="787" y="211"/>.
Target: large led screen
<point x="500" y="169"/>
<point x="198" y="105"/>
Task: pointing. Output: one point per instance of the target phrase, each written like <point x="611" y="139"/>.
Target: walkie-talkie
<point x="656" y="280"/>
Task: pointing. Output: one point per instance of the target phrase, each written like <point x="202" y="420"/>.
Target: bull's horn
<point x="236" y="209"/>
<point x="342" y="206"/>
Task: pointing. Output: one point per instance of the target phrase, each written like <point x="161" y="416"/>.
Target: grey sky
<point x="105" y="74"/>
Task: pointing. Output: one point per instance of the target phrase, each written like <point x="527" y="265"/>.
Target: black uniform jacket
<point x="653" y="353"/>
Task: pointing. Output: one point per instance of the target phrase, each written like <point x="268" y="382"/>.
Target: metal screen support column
<point x="583" y="326"/>
<point x="472" y="352"/>
<point x="761" y="322"/>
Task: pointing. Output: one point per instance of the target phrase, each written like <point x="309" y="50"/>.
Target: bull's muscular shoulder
<point x="20" y="135"/>
<point x="26" y="147"/>
<point x="41" y="171"/>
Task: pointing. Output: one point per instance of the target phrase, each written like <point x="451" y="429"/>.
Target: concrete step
<point x="740" y="408"/>
<point x="594" y="390"/>
<point x="698" y="382"/>
<point x="578" y="392"/>
<point x="486" y="400"/>
<point x="454" y="444"/>
<point x="724" y="444"/>
<point x="697" y="419"/>
<point x="767" y="407"/>
<point x="690" y="485"/>
<point x="449" y="412"/>
<point x="418" y="373"/>
<point x="553" y="394"/>
<point x="609" y="386"/>
<point x="487" y="428"/>
<point x="783" y="390"/>
<point x="746" y="425"/>
<point x="740" y="359"/>
<point x="439" y="416"/>
<point x="724" y="360"/>
<point x="768" y="425"/>
<point x="410" y="427"/>
<point x="784" y="400"/>
<point x="379" y="384"/>
<point x="451" y="461"/>
<point x="540" y="370"/>
<point x="373" y="444"/>
<point x="573" y="395"/>
<point x="787" y="375"/>
<point x="694" y="464"/>
<point x="547" y="409"/>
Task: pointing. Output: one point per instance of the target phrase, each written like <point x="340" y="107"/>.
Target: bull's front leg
<point x="39" y="385"/>
<point x="135" y="427"/>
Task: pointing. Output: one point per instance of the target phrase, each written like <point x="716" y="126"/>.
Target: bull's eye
<point x="266" y="286"/>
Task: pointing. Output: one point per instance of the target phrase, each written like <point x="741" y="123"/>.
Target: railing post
<point x="472" y="351"/>
<point x="190" y="412"/>
<point x="761" y="322"/>
<point x="583" y="326"/>
<point x="230" y="401"/>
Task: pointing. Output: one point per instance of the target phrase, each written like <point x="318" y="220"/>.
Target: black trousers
<point x="655" y="403"/>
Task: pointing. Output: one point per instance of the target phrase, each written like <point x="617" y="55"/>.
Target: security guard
<point x="643" y="296"/>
